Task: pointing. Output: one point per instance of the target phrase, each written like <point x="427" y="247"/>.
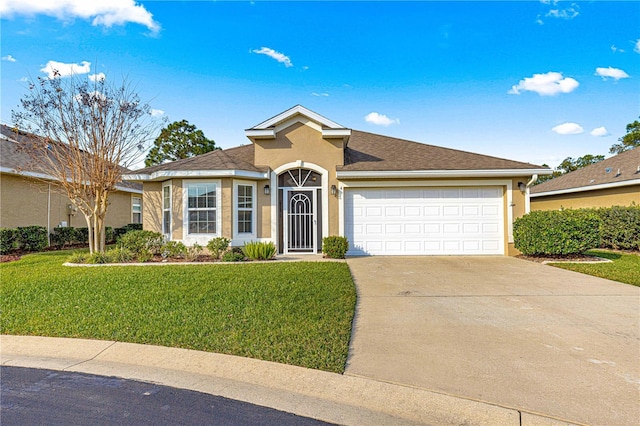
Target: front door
<point x="300" y="221"/>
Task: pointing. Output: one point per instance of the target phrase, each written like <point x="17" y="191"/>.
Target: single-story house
<point x="304" y="177"/>
<point x="612" y="182"/>
<point x="27" y="198"/>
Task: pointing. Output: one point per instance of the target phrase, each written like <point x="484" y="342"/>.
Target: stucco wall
<point x="23" y="202"/>
<point x="621" y="196"/>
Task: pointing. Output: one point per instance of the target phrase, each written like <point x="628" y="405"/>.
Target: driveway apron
<point x="501" y="330"/>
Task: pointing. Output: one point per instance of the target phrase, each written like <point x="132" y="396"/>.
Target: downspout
<point x="527" y="200"/>
<point x="48" y="214"/>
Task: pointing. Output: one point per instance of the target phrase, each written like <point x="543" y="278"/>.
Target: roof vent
<point x="638" y="169"/>
<point x="592" y="180"/>
<point x="618" y="174"/>
<point x="608" y="170"/>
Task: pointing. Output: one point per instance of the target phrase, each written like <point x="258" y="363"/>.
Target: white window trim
<point x="134" y="212"/>
<point x="202" y="239"/>
<point x="164" y="231"/>
<point x="241" y="238"/>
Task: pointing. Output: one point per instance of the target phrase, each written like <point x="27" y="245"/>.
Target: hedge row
<point x="563" y="232"/>
<point x="34" y="238"/>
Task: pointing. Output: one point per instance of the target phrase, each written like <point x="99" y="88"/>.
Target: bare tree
<point x="86" y="134"/>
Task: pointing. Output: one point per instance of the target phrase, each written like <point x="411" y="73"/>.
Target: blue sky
<point x="534" y="81"/>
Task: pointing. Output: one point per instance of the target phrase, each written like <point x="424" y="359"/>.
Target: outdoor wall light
<point x="334" y="190"/>
<point x="522" y="187"/>
<point x="267" y="190"/>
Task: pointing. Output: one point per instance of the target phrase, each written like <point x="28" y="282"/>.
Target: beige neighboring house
<point x="304" y="177"/>
<point x="612" y="182"/>
<point x="26" y="198"/>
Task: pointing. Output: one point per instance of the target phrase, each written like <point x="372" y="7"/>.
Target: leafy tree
<point x="569" y="165"/>
<point x="84" y="134"/>
<point x="629" y="141"/>
<point x="178" y="140"/>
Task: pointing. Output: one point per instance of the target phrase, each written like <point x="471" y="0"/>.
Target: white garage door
<point x="436" y="221"/>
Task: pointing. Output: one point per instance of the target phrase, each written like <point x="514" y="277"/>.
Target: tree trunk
<point x="90" y="232"/>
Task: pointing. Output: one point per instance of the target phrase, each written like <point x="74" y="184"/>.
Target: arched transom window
<point x="299" y="178"/>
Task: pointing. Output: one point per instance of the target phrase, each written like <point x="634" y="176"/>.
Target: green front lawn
<point x="293" y="313"/>
<point x="624" y="267"/>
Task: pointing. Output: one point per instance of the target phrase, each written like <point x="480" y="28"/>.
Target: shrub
<point x="557" y="232"/>
<point x="259" y="250"/>
<point x="142" y="242"/>
<point x="620" y="227"/>
<point x="335" y="247"/>
<point x="120" y="255"/>
<point x="173" y="249"/>
<point x="99" y="258"/>
<point x="194" y="251"/>
<point x="218" y="246"/>
<point x="32" y="238"/>
<point x="63" y="236"/>
<point x="81" y="235"/>
<point x="109" y="234"/>
<point x="8" y="240"/>
<point x="232" y="256"/>
<point x="78" y="257"/>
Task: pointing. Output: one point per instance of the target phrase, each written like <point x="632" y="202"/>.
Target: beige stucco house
<point x="612" y="182"/>
<point x="304" y="177"/>
<point x="28" y="197"/>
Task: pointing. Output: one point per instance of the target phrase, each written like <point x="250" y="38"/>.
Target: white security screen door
<point x="300" y="221"/>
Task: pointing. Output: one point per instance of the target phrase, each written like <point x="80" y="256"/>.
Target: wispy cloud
<point x="280" y="57"/>
<point x="599" y="132"/>
<point x="615" y="49"/>
<point x="156" y="112"/>
<point x="610" y="72"/>
<point x="9" y="58"/>
<point x="55" y="69"/>
<point x="105" y="13"/>
<point x="320" y="94"/>
<point x="568" y="129"/>
<point x="380" y="119"/>
<point x="97" y="77"/>
<point x="549" y="84"/>
<point x="554" y="12"/>
<point x="637" y="46"/>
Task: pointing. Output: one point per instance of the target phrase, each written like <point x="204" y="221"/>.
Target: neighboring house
<point x="305" y="177"/>
<point x="26" y="197"/>
<point x="612" y="182"/>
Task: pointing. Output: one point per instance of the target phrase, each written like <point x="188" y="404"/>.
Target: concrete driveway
<point x="501" y="330"/>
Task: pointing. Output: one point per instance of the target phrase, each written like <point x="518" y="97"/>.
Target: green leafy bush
<point x="173" y="249"/>
<point x="61" y="237"/>
<point x="32" y="238"/>
<point x="109" y="235"/>
<point x="142" y="243"/>
<point x="82" y="235"/>
<point x="99" y="258"/>
<point x="620" y="227"/>
<point x="8" y="240"/>
<point x="218" y="246"/>
<point x="557" y="232"/>
<point x="232" y="256"/>
<point x="335" y="247"/>
<point x="78" y="257"/>
<point x="120" y="255"/>
<point x="259" y="250"/>
<point x="194" y="251"/>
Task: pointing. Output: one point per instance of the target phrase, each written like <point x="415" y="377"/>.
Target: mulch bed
<point x="9" y="257"/>
<point x="566" y="258"/>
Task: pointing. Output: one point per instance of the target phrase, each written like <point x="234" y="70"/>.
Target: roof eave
<point x="161" y="175"/>
<point x="623" y="183"/>
<point x="421" y="174"/>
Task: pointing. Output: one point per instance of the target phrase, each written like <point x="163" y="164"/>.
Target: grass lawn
<point x="293" y="313"/>
<point x="624" y="268"/>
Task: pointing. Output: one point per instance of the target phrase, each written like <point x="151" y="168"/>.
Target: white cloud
<point x="280" y="57"/>
<point x="58" y="69"/>
<point x="549" y="84"/>
<point x="568" y="129"/>
<point x="599" y="132"/>
<point x="568" y="13"/>
<point x="156" y="112"/>
<point x="97" y="77"/>
<point x="320" y="94"/>
<point x="9" y="58"/>
<point x="23" y="80"/>
<point x="380" y="119"/>
<point x="615" y="49"/>
<point x="610" y="72"/>
<point x="637" y="46"/>
<point x="102" y="12"/>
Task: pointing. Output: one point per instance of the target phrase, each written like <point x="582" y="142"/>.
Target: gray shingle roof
<point x="16" y="159"/>
<point x="619" y="168"/>
<point x="372" y="152"/>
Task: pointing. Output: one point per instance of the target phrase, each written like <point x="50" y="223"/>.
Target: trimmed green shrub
<point x="120" y="255"/>
<point x="142" y="243"/>
<point x="259" y="250"/>
<point x="109" y="235"/>
<point x="335" y="247"/>
<point x="232" y="256"/>
<point x="218" y="246"/>
<point x="32" y="238"/>
<point x="82" y="235"/>
<point x="78" y="257"/>
<point x="61" y="237"/>
<point x="173" y="249"/>
<point x="557" y="232"/>
<point x="8" y="240"/>
<point x="194" y="251"/>
<point x="620" y="228"/>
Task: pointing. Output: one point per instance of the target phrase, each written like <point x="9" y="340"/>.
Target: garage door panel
<point x="425" y="221"/>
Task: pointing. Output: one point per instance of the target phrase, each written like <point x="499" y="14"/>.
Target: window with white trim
<point x="166" y="210"/>
<point x="202" y="208"/>
<point x="136" y="210"/>
<point x="244" y="208"/>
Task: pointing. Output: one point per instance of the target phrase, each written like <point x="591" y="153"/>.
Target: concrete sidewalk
<point x="311" y="393"/>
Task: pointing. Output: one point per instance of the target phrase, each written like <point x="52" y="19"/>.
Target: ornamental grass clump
<point x="259" y="250"/>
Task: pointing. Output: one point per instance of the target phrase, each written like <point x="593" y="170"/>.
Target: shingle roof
<point x="15" y="159"/>
<point x="619" y="168"/>
<point x="372" y="152"/>
<point x="238" y="158"/>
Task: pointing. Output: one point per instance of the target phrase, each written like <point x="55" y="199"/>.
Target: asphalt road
<point x="38" y="397"/>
